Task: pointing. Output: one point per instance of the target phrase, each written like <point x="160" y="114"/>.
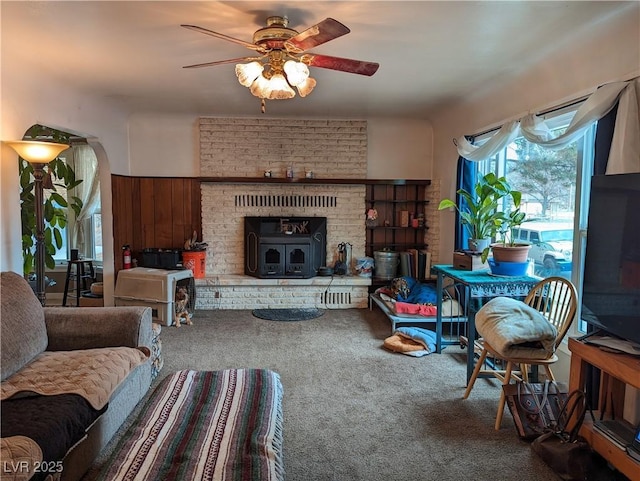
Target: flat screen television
<point x="611" y="286"/>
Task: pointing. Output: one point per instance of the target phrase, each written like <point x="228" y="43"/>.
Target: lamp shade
<point x="297" y="72"/>
<point x="279" y="89"/>
<point x="37" y="152"/>
<point x="259" y="87"/>
<point x="306" y="87"/>
<point x="248" y="72"/>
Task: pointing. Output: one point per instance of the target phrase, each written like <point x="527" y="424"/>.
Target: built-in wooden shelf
<point x="315" y="180"/>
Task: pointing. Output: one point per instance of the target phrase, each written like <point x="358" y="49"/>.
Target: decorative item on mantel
<point x="372" y="218"/>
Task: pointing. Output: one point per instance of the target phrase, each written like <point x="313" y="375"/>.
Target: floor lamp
<point x="38" y="154"/>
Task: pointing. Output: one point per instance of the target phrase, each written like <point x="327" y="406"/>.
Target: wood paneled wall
<point x="157" y="212"/>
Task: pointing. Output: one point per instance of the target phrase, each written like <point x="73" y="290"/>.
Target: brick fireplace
<point x="246" y="148"/>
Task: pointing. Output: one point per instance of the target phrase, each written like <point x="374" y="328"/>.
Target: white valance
<point x="625" y="148"/>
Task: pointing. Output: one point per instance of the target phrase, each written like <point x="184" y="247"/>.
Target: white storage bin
<point x="154" y="288"/>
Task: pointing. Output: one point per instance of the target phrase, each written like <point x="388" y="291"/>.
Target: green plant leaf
<point x="58" y="238"/>
<point x="49" y="261"/>
<point x="48" y="237"/>
<point x="49" y="210"/>
<point x="446" y="204"/>
<point x="27" y="264"/>
<point x="27" y="241"/>
<point x="61" y="201"/>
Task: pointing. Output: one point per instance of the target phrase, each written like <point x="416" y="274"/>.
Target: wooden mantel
<point x="304" y="180"/>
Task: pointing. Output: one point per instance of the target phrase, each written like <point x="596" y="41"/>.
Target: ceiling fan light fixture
<point x="247" y="73"/>
<point x="279" y="89"/>
<point x="296" y="72"/>
<point x="285" y="57"/>
<point x="306" y="87"/>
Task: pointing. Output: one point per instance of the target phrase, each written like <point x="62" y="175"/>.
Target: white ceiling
<point x="430" y="53"/>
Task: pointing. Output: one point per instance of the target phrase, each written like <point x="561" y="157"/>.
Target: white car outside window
<point x="551" y="245"/>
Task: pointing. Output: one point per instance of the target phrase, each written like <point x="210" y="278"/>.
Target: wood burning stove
<point x="284" y="247"/>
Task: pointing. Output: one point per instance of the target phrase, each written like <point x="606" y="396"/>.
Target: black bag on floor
<point x="534" y="406"/>
<point x="561" y="448"/>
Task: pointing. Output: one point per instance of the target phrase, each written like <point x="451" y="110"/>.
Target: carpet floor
<point x="354" y="411"/>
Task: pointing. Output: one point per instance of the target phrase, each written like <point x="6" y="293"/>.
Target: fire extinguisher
<point x="126" y="256"/>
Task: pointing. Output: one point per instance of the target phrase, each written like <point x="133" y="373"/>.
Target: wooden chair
<point x="556" y="298"/>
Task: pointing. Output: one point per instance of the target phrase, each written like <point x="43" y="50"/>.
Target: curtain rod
<point x="551" y="109"/>
<point x="570" y="103"/>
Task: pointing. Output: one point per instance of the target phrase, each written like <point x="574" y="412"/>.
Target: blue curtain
<point x="466" y="179"/>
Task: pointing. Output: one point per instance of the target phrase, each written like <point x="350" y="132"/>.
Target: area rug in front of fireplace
<point x="288" y="314"/>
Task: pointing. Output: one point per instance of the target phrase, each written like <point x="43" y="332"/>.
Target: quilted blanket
<point x="92" y="373"/>
<point x="515" y="329"/>
<point x="205" y="425"/>
<point x="20" y="458"/>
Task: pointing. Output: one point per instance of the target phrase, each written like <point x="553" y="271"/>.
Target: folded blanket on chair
<point x="412" y="341"/>
<point x="515" y="329"/>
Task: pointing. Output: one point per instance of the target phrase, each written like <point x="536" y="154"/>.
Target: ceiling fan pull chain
<point x="263" y="106"/>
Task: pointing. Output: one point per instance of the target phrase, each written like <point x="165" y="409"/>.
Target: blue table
<point x="479" y="286"/>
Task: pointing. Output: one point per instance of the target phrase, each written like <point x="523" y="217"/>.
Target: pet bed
<point x="222" y="425"/>
<point x="417" y="307"/>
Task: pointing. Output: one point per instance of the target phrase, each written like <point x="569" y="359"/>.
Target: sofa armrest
<point x="71" y="328"/>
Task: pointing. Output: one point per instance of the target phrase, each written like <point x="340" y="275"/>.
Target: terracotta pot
<point x="507" y="253"/>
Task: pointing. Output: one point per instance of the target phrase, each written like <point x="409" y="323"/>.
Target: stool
<point x="84" y="271"/>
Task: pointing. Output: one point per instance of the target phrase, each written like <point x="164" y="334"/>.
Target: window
<point x="85" y="231"/>
<point x="95" y="227"/>
<point x="555" y="193"/>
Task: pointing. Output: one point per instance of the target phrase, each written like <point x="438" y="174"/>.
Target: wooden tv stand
<point x="617" y="371"/>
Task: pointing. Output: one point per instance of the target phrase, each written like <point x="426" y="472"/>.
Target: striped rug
<point x="205" y="425"/>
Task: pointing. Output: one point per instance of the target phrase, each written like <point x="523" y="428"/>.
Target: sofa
<point x="70" y="377"/>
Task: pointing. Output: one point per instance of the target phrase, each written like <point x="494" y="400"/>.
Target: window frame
<point x="584" y="171"/>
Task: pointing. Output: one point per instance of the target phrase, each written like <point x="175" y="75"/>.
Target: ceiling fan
<point x="283" y="58"/>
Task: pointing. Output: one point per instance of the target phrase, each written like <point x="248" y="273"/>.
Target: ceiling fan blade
<point x="320" y="33"/>
<point x="343" y="64"/>
<point x="224" y="37"/>
<point x="222" y="62"/>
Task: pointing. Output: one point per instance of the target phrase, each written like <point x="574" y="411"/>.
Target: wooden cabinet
<point x="617" y="371"/>
<point x="401" y="222"/>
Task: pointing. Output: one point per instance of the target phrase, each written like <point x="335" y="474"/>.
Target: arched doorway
<point x="72" y="207"/>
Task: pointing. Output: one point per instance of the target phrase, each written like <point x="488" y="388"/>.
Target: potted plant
<point x="482" y="218"/>
<point x="506" y="249"/>
<point x="480" y="215"/>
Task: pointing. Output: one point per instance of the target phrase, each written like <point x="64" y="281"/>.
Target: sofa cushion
<point x="24" y="333"/>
